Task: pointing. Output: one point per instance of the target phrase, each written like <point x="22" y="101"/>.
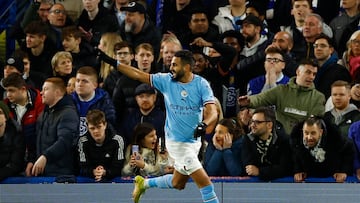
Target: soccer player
<point x="190" y="113"/>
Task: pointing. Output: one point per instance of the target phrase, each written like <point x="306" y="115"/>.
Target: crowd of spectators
<point x="66" y="110"/>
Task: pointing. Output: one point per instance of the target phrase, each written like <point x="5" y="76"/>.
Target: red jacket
<point x="28" y="121"/>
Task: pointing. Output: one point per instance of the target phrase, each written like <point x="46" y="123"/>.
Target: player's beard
<point x="178" y="75"/>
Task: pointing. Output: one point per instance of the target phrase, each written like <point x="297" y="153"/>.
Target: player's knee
<point x="179" y="185"/>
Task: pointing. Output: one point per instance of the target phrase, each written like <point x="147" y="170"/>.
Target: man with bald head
<point x="284" y="41"/>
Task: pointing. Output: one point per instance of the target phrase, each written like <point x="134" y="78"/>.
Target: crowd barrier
<point x="236" y="179"/>
<point x="228" y="190"/>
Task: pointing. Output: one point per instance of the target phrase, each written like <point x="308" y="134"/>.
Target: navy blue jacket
<point x="57" y="132"/>
<point x="156" y="117"/>
<point x="224" y="162"/>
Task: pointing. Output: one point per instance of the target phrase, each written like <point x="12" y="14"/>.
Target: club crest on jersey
<point x="184" y="93"/>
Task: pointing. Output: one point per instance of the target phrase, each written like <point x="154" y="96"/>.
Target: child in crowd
<point x="70" y="88"/>
<point x="101" y="150"/>
<point x="147" y="161"/>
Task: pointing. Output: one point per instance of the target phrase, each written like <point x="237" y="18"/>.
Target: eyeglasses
<point x="58" y="12"/>
<point x="355" y="41"/>
<point x="274" y="60"/>
<point x="321" y="46"/>
<point x="257" y="122"/>
<point x="122" y="53"/>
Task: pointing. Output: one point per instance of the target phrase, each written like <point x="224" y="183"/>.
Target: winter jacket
<point x="12" y="150"/>
<point x="156" y="117"/>
<point x="123" y="97"/>
<point x="57" y="132"/>
<point x="148" y="34"/>
<point x="354" y="135"/>
<point x="339" y="153"/>
<point x="256" y="85"/>
<point x="224" y="20"/>
<point x="277" y="161"/>
<point x="28" y="122"/>
<point x="344" y="119"/>
<point x="101" y="101"/>
<point x="293" y="103"/>
<point x="328" y="73"/>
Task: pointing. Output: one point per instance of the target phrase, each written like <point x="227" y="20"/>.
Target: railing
<point x="229" y="179"/>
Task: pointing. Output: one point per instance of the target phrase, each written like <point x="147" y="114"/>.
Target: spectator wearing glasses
<point x="302" y="99"/>
<point x="351" y="57"/>
<point x="329" y="71"/>
<point x="285" y="42"/>
<point x="274" y="65"/>
<point x="123" y="53"/>
<point x="266" y="151"/>
<point x="57" y="19"/>
<point x="38" y="10"/>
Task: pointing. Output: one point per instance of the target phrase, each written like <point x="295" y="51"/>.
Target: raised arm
<point x="134" y="73"/>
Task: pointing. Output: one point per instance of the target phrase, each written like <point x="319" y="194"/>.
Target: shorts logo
<point x="188" y="161"/>
<point x="184" y="93"/>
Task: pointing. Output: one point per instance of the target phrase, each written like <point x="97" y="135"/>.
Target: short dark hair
<point x="36" y="28"/>
<point x="233" y="34"/>
<point x="122" y="44"/>
<point x="309" y="61"/>
<point x="330" y="41"/>
<point x="95" y="117"/>
<point x="197" y="11"/>
<point x="186" y="57"/>
<point x="315" y="120"/>
<point x="14" y="80"/>
<point x="71" y="31"/>
<point x="269" y="113"/>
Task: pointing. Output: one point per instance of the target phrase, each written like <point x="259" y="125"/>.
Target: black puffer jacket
<point x="58" y="131"/>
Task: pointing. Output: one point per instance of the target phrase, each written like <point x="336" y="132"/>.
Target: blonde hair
<point x="59" y="55"/>
<point x="168" y="38"/>
<point x="109" y="39"/>
<point x="348" y="43"/>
